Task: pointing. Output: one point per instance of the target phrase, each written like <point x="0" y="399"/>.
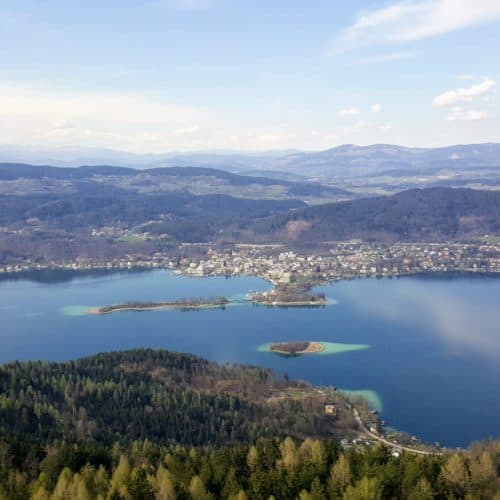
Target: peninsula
<point x="296" y="348"/>
<point x="182" y="305"/>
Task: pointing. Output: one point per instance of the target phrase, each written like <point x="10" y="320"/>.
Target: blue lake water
<point x="426" y="349"/>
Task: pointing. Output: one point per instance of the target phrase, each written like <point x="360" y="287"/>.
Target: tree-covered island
<point x="185" y="304"/>
<point x="296" y="348"/>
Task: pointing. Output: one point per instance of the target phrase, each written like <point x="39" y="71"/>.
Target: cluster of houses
<point x="344" y="260"/>
<point x="338" y="260"/>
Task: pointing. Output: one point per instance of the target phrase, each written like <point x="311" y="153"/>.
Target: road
<point x="385" y="441"/>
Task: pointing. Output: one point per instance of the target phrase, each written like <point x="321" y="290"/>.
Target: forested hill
<point x="109" y="427"/>
<point x="20" y="178"/>
<point x="122" y="426"/>
<point x="158" y="395"/>
<point x="435" y="214"/>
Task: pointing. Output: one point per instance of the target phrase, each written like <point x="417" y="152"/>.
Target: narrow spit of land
<point x="182" y="304"/>
<point x="296" y="348"/>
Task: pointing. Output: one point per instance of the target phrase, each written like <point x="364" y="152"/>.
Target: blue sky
<point x="164" y="75"/>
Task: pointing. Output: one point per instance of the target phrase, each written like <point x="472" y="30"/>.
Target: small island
<point x="191" y="304"/>
<point x="296" y="348"/>
<point x="289" y="295"/>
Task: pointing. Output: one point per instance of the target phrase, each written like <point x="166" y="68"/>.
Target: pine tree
<point x="365" y="489"/>
<point x="340" y="476"/>
<point x="253" y="458"/>
<point x="241" y="495"/>
<point x="138" y="486"/>
<point x="165" y="485"/>
<point x="483" y="473"/>
<point x="289" y="455"/>
<point x="120" y="476"/>
<point x="422" y="491"/>
<point x="198" y="491"/>
<point x="64" y="488"/>
<point x="455" y="475"/>
<point x="231" y="486"/>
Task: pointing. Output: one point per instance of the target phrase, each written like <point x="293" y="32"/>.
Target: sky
<point x="153" y="76"/>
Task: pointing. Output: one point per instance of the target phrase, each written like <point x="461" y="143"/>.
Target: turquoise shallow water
<point x="425" y="351"/>
<point x="372" y="397"/>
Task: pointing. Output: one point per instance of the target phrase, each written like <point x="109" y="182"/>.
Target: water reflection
<point x="462" y="323"/>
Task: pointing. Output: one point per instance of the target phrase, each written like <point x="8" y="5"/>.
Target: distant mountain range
<point x="342" y="161"/>
<point x="350" y="160"/>
<point x="75" y="157"/>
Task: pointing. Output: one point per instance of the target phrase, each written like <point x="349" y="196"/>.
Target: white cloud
<point x="457" y="113"/>
<point x="131" y="121"/>
<point x="376" y="108"/>
<point x="451" y="97"/>
<point x="362" y="124"/>
<point x="187" y="130"/>
<point x="411" y="20"/>
<point x="386" y="128"/>
<point x="21" y="101"/>
<point x="63" y="124"/>
<point x="382" y="58"/>
<point x="349" y="112"/>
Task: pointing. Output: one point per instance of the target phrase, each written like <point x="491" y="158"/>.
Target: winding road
<point x="385" y="441"/>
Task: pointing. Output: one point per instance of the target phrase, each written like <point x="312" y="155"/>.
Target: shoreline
<point x="183" y="272"/>
<point x="300" y="303"/>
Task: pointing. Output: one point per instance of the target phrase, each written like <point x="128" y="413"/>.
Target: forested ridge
<point x="15" y="171"/>
<point x="151" y="424"/>
<point x="435" y="214"/>
<point x="111" y="206"/>
<point x="153" y="394"/>
<point x="58" y="226"/>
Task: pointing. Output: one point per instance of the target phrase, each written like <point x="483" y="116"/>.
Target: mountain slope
<point x="156" y="394"/>
<point x="435" y="214"/>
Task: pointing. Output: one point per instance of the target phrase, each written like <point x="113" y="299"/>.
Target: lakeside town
<point x="279" y="265"/>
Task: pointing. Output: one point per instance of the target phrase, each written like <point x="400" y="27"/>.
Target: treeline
<point x="157" y="395"/>
<point x="279" y="469"/>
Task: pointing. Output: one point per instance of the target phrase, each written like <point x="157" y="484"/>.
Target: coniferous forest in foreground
<point x="153" y="424"/>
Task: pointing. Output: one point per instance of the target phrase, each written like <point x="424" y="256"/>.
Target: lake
<point x="425" y="350"/>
